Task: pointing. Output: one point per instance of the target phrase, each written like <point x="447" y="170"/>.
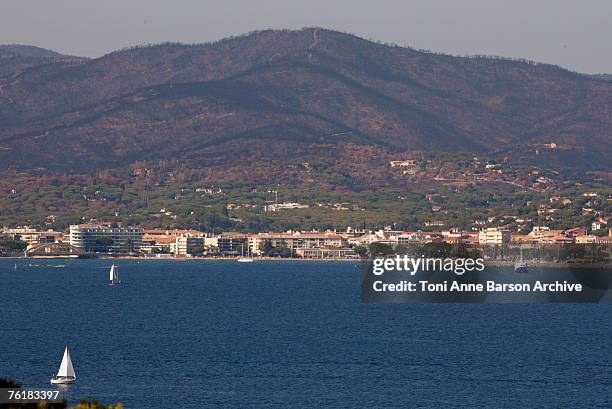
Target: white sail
<point x="114" y="275"/>
<point x="66" y="369"/>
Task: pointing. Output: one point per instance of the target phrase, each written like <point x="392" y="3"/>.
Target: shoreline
<point x="488" y="263"/>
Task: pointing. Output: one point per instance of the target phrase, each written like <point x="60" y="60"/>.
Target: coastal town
<point x="118" y="240"/>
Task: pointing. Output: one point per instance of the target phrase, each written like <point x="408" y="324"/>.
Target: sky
<point x="575" y="34"/>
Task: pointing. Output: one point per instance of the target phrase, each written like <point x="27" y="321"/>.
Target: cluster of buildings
<point x="31" y="236"/>
<point x="545" y="236"/>
<point x="112" y="238"/>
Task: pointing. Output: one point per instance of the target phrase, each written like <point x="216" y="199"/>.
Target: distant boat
<point x="66" y="374"/>
<point x="245" y="259"/>
<point x="520" y="265"/>
<point x="114" y="275"/>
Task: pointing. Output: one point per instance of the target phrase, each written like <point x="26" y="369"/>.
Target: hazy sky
<point x="576" y="34"/>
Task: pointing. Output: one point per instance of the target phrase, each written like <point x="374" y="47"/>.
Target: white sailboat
<point x="114" y="275"/>
<point x="243" y="259"/>
<point x="66" y="374"/>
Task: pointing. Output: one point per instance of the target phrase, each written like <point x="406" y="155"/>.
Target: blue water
<point x="194" y="334"/>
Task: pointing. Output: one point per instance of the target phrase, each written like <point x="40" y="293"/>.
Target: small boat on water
<point x="114" y="275"/>
<point x="245" y="259"/>
<point x="65" y="375"/>
<point x="520" y="266"/>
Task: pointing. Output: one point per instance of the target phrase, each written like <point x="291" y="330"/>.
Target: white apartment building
<point x="297" y="240"/>
<point x="493" y="236"/>
<point x="184" y="244"/>
<point x="106" y="238"/>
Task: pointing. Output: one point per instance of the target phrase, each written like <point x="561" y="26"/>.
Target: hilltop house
<point x="600" y="223"/>
<point x="403" y="163"/>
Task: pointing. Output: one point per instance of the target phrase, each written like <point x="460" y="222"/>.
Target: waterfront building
<point x="408" y="237"/>
<point x="184" y="246"/>
<point x="157" y="245"/>
<point x="39" y="237"/>
<point x="326" y="252"/>
<point x="297" y="240"/>
<point x="166" y="241"/>
<point x="18" y="232"/>
<point x="106" y="238"/>
<point x="232" y="244"/>
<point x="493" y="236"/>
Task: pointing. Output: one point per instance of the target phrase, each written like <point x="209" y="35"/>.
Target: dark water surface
<point x="193" y="334"/>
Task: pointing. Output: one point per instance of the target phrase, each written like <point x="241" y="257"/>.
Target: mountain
<point x="16" y="58"/>
<point x="605" y="77"/>
<point x="254" y="104"/>
<point x="28" y="50"/>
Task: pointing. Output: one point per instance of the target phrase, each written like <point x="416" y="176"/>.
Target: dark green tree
<point x="266" y="248"/>
<point x="361" y="251"/>
<point x="380" y="249"/>
<point x="437" y="250"/>
<point x="13" y="245"/>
